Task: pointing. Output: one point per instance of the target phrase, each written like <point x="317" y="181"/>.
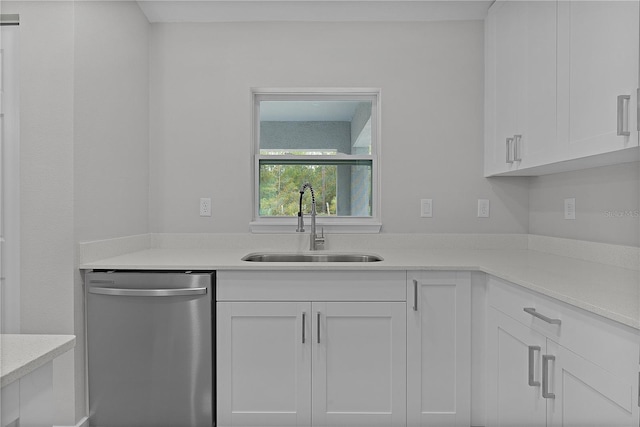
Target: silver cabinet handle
<point x="148" y="292"/>
<point x="304" y="327"/>
<point x="623" y="115"/>
<point x="509" y="144"/>
<point x="534" y="313"/>
<point x="532" y="381"/>
<point x="318" y="327"/>
<point x="545" y="377"/>
<point x="415" y="295"/>
<point x="516" y="148"/>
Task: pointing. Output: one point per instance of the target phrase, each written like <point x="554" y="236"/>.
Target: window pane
<point x="315" y="127"/>
<point x="341" y="187"/>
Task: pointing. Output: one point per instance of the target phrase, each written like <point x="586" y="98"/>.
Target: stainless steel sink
<point x="310" y="257"/>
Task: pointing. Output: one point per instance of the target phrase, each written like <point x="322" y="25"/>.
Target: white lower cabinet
<point x="320" y="363"/>
<point x="358" y="368"/>
<point x="343" y="348"/>
<point x="514" y="373"/>
<point x="585" y="394"/>
<point x="391" y="348"/>
<point x="330" y="362"/>
<point x="556" y="366"/>
<point x="264" y="368"/>
<point x="438" y="349"/>
<point x="28" y="402"/>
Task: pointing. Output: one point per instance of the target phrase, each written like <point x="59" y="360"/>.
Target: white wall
<point x="111" y="120"/>
<point x="607" y="204"/>
<point x="431" y="77"/>
<point x="84" y="159"/>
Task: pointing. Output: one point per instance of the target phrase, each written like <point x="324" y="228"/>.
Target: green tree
<point x="280" y="188"/>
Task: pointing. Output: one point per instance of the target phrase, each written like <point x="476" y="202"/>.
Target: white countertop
<point x="609" y="291"/>
<point x="21" y="354"/>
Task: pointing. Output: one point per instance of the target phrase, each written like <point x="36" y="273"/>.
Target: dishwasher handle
<point x="148" y="292"/>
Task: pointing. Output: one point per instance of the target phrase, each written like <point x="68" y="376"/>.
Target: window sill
<point x="330" y="226"/>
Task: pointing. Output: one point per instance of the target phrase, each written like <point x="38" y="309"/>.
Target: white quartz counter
<point x="606" y="290"/>
<point x="21" y="354"/>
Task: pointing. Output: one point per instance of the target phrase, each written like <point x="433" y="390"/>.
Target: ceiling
<point x="312" y="10"/>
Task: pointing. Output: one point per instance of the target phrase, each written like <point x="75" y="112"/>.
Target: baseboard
<point x="84" y="422"/>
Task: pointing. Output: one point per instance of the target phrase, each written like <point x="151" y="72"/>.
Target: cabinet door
<point x="502" y="83"/>
<point x="588" y="395"/>
<point x="264" y="364"/>
<point x="359" y="371"/>
<point x="514" y="354"/>
<point x="537" y="115"/>
<point x="520" y="85"/>
<point x="438" y="349"/>
<point x="597" y="61"/>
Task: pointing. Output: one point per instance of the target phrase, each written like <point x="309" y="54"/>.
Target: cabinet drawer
<point x="608" y="344"/>
<point x="512" y="300"/>
<point x="282" y="285"/>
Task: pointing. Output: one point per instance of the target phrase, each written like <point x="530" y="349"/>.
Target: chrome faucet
<point x="315" y="240"/>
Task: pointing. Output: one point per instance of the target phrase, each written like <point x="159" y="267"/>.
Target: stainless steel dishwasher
<point x="150" y="348"/>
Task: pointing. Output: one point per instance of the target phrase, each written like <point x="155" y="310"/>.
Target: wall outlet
<point x="570" y="208"/>
<point x="483" y="208"/>
<point x="205" y="206"/>
<point x="426" y="208"/>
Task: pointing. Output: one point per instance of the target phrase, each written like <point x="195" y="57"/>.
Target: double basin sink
<point x="310" y="257"/>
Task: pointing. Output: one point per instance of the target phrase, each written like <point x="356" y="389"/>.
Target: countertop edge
<point x="32" y="363"/>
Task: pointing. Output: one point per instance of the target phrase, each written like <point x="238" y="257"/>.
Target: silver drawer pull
<point x="545" y="377"/>
<point x="532" y="381"/>
<point x="318" y="324"/>
<point x="532" y="311"/>
<point x="415" y="295"/>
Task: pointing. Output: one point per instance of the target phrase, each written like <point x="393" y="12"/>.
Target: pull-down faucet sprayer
<point x="315" y="241"/>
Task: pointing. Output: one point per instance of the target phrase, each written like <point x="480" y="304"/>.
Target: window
<point x="326" y="137"/>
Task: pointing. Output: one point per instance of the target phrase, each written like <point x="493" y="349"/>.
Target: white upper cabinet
<point x="560" y="85"/>
<point x="520" y="85"/>
<point x="598" y="62"/>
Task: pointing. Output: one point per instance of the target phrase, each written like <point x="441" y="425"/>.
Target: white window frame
<point x="342" y="224"/>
